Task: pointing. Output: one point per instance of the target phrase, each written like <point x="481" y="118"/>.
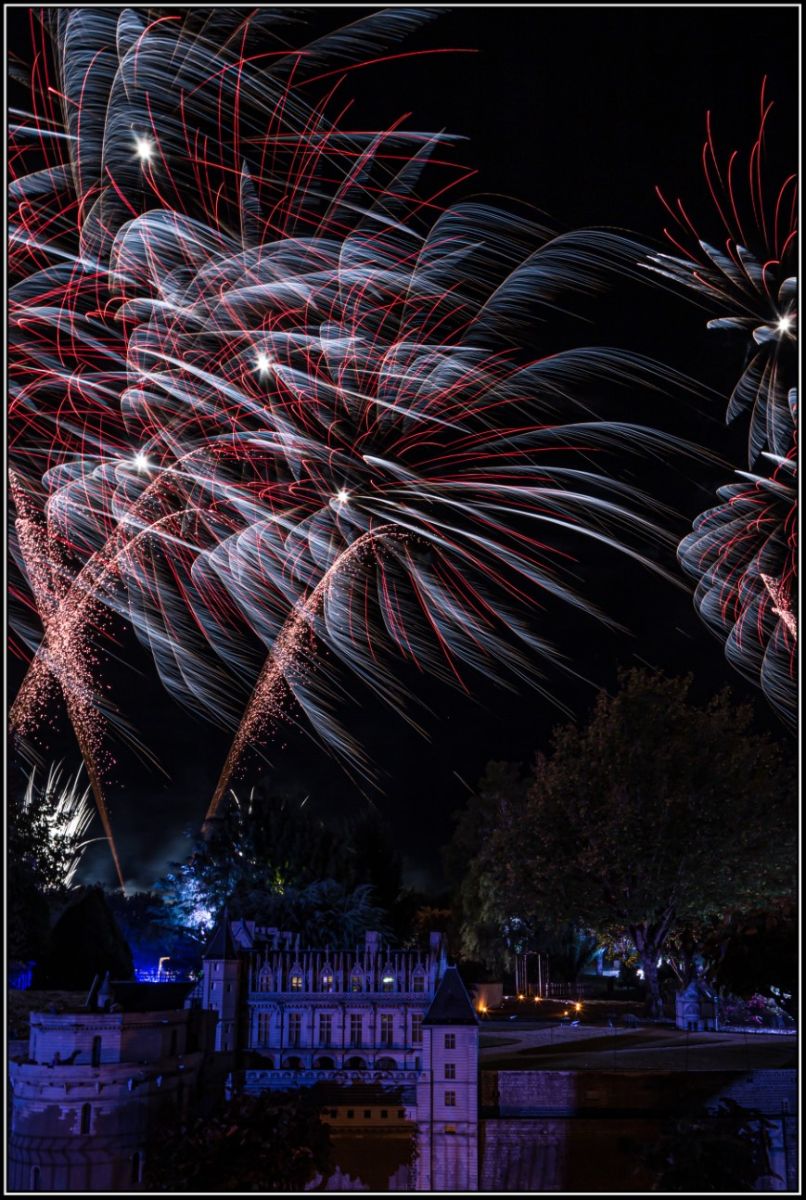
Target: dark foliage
<point x="726" y="1151"/>
<point x="273" y="1142"/>
<point x="84" y="942"/>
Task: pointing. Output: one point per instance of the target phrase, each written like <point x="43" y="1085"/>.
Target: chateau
<point x="391" y="1040"/>
<point x="392" y="1033"/>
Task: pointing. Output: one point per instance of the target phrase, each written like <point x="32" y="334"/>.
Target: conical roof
<point x="451" y="1004"/>
<point x="221" y="944"/>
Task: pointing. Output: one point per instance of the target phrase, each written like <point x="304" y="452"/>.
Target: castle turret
<point x="222" y="983"/>
<point x="447" y="1094"/>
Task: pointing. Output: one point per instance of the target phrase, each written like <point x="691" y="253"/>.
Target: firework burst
<point x="743" y="552"/>
<point x="276" y="401"/>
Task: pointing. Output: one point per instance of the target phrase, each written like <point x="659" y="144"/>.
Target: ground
<point x="555" y="1047"/>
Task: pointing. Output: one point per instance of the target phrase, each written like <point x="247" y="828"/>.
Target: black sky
<point x="578" y="112"/>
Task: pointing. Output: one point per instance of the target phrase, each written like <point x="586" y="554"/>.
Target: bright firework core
<point x="263" y="364"/>
<point x="785" y="324"/>
<point x="141" y="461"/>
<point x="144" y="148"/>
<point x="342" y="496"/>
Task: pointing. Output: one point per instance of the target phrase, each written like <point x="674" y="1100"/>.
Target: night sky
<point x="579" y="113"/>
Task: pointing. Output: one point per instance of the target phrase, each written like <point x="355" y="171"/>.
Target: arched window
<point x="418" y="980"/>
<point x="326" y="979"/>
<point x="386" y="1064"/>
<point x="265" y="981"/>
<point x="357" y="980"/>
<point x="388" y="979"/>
<point x="86" y="1118"/>
<point x="96" y="1051"/>
<point x="296" y="979"/>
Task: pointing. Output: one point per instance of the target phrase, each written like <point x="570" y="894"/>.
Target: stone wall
<point x="579" y="1131"/>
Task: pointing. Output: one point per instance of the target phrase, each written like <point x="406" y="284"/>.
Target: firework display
<point x="743" y="552"/>
<point x="66" y="812"/>
<point x="271" y="402"/>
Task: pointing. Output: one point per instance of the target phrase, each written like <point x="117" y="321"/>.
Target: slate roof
<point x="451" y="1004"/>
<point x="221" y="944"/>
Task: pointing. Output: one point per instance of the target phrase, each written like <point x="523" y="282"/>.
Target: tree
<point x="272" y="1142"/>
<point x="141" y="918"/>
<point x="47" y="828"/>
<point x="372" y="857"/>
<point x="84" y="942"/>
<point x="724" y="1151"/>
<point x="260" y="846"/>
<point x="484" y="933"/>
<point x="322" y="914"/>
<point x="657" y="814"/>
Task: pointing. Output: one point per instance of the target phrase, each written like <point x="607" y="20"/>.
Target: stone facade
<point x="93" y="1085"/>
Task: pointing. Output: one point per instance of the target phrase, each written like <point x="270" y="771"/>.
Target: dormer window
<point x="418" y="981"/>
<point x="388" y="980"/>
<point x="357" y="980"/>
<point x="296" y="979"/>
<point x="326" y="980"/>
<point x="265" y="982"/>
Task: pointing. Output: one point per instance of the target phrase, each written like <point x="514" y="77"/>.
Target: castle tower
<point x="221" y="988"/>
<point x="447" y="1093"/>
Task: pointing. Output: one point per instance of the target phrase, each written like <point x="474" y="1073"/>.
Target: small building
<point x="695" y="1007"/>
<point x="95" y="1082"/>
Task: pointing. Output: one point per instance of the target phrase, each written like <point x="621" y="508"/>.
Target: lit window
<point x="296" y="983"/>
<point x="450" y="1041"/>
<point x="327" y="982"/>
<point x="388" y="983"/>
<point x="450" y="1129"/>
<point x="356" y="982"/>
<point x="450" y="1099"/>
<point x="450" y="1070"/>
